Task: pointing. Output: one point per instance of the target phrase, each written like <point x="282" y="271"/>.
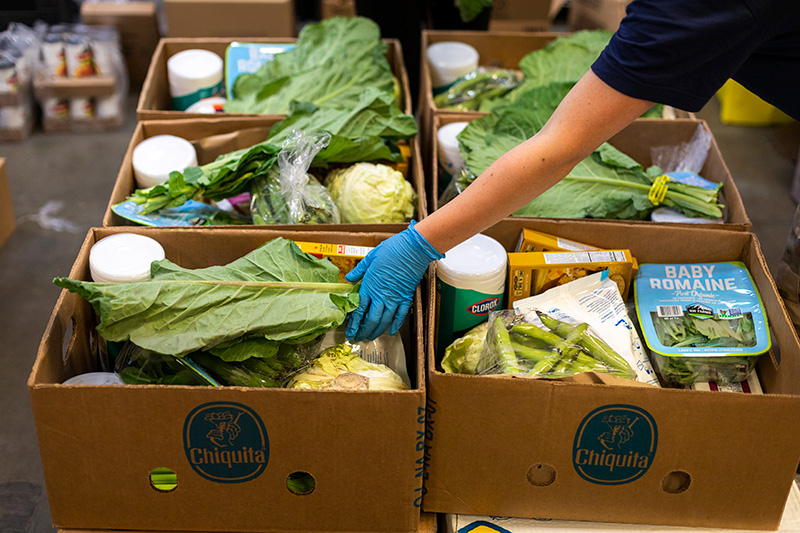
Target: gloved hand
<point x="389" y="276"/>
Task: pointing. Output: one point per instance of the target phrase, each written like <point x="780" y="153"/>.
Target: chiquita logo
<point x="226" y="442"/>
<point x="484" y="307"/>
<point x="615" y="444"/>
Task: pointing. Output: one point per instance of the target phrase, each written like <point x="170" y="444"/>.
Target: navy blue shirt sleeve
<point x="680" y="52"/>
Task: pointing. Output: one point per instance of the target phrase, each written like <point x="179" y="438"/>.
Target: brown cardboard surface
<point x="99" y="443"/>
<point x="154" y="100"/>
<point x="593" y="14"/>
<point x="636" y="140"/>
<point x="215" y="136"/>
<point x="230" y="18"/>
<point x="137" y="24"/>
<point x="523" y="15"/>
<point x="7" y="221"/>
<point x="490" y="437"/>
<point x="427" y="524"/>
<point x="89" y="86"/>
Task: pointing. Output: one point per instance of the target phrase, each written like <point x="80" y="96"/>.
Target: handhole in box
<point x="301" y="483"/>
<point x="541" y="475"/>
<point x="163" y="480"/>
<point x="676" y="482"/>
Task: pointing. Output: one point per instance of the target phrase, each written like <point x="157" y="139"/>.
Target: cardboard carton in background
<point x="636" y="140"/>
<point x="137" y="24"/>
<point x="230" y="18"/>
<point x="7" y="221"/>
<point x="337" y="8"/>
<point x="524" y="15"/>
<point x="216" y="136"/>
<point x="596" y="14"/>
<point x="98" y="444"/>
<point x="509" y="446"/>
<point x="155" y="102"/>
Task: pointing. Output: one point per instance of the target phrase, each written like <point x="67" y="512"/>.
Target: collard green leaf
<point x="608" y="184"/>
<point x="275" y="291"/>
<point x="331" y="64"/>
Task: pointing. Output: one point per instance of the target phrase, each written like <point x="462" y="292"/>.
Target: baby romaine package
<point x="701" y="322"/>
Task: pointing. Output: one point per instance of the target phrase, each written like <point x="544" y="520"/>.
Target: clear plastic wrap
<point x="287" y="193"/>
<point x="484" y="83"/>
<point x="551" y="349"/>
<point x="341" y="367"/>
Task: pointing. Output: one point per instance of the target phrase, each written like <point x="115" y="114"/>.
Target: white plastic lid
<point x="450" y="60"/>
<point x="667" y="214"/>
<point x="194" y="69"/>
<point x="123" y="257"/>
<point x="95" y="378"/>
<point x="206" y="105"/>
<point x="446" y="135"/>
<point x="156" y="157"/>
<point x="478" y="264"/>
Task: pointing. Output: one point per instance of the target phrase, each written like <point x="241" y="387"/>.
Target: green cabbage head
<point x="368" y="193"/>
<point x="340" y="368"/>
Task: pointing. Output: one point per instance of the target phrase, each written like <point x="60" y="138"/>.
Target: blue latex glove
<point x="389" y="276"/>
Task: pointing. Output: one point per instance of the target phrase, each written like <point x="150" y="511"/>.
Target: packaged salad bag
<point x="701" y="322"/>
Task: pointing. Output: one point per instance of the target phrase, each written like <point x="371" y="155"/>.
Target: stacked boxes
<point x="462" y="444"/>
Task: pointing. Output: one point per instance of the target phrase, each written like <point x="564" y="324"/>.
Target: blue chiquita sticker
<point x="226" y="442"/>
<point x="615" y="444"/>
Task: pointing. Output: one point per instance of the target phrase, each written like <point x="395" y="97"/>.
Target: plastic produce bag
<point x="341" y="368"/>
<point x="287" y="193"/>
<point x="139" y="366"/>
<point x="469" y="91"/>
<point x="462" y="356"/>
<point x="385" y="350"/>
<point x="537" y="345"/>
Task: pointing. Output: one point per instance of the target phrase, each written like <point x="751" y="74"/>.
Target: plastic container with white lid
<point x="449" y="60"/>
<point x="667" y="214"/>
<point x="123" y="257"/>
<point x="193" y="75"/>
<point x="154" y="158"/>
<point x="449" y="153"/>
<point x="470" y="283"/>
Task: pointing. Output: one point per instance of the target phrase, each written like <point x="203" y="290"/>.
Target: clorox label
<point x="484" y="307"/>
<point x="226" y="442"/>
<point x="615" y="444"/>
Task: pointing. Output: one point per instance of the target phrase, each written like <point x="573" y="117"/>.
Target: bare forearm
<point x="590" y="114"/>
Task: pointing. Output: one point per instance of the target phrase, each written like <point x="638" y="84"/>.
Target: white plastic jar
<point x="448" y="152"/>
<point x="448" y="61"/>
<point x="123" y="257"/>
<point x="193" y="75"/>
<point x="155" y="157"/>
<point x="470" y="283"/>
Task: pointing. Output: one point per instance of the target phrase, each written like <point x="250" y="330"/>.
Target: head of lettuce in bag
<point x="287" y="193"/>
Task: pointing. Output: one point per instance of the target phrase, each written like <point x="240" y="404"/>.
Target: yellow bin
<point x="740" y="107"/>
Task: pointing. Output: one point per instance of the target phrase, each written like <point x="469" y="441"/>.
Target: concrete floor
<point x="78" y="170"/>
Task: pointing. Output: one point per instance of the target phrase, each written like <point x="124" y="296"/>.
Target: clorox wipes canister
<point x="470" y="283"/>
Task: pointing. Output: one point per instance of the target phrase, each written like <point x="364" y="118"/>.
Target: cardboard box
<point x="99" y="443"/>
<point x="427" y="524"/>
<point x="215" y="136"/>
<point x="596" y="14"/>
<point x="511" y="446"/>
<point x="790" y="523"/>
<point x="636" y="140"/>
<point x="337" y="8"/>
<point x="137" y="23"/>
<point x="230" y="18"/>
<point x="7" y="221"/>
<point x="524" y="15"/>
<point x="155" y="102"/>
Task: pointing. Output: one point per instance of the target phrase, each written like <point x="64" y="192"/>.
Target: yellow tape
<point x="659" y="189"/>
